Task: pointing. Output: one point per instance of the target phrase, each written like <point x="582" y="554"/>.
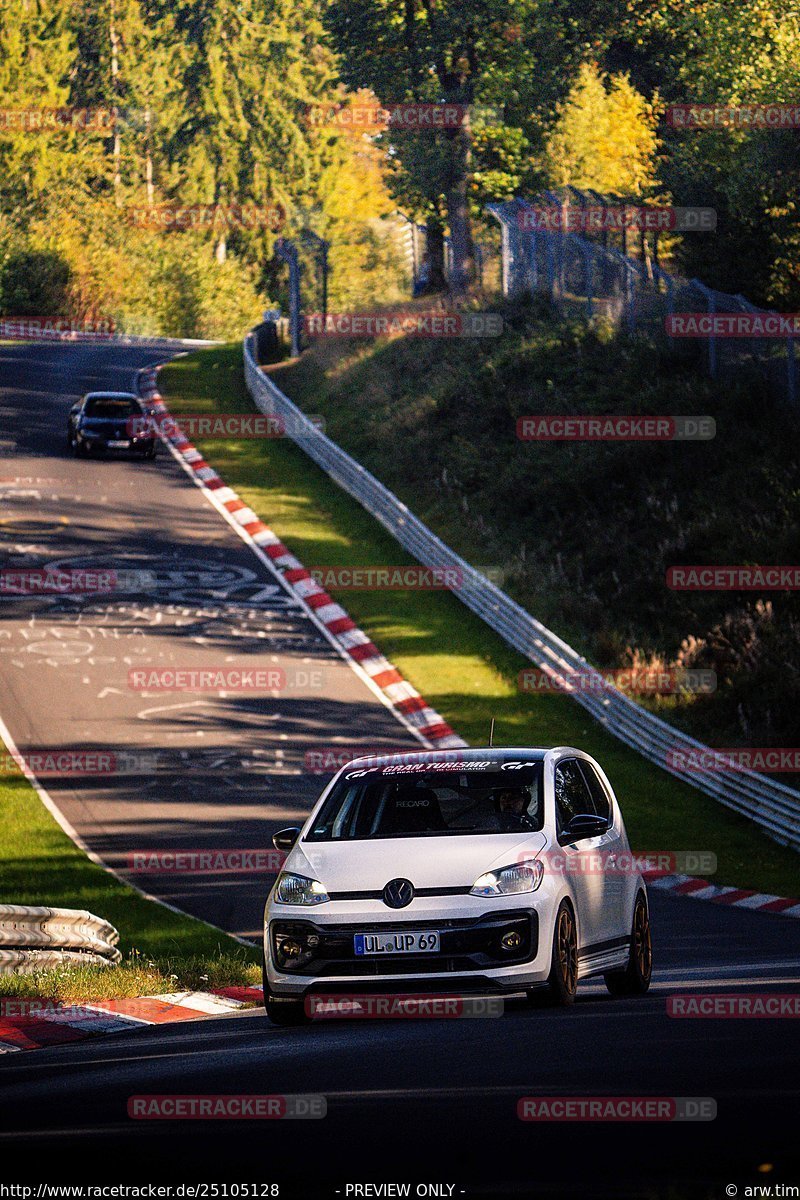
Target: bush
<point x="35" y="283"/>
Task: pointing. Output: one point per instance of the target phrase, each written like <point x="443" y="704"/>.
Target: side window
<point x="572" y="794"/>
<point x="600" y="803"/>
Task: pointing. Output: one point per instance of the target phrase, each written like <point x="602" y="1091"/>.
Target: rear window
<point x="111" y="408"/>
<point x="373" y="804"/>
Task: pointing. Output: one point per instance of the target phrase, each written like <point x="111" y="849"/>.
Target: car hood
<point x="450" y="861"/>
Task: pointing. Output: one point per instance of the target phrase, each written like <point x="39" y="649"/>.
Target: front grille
<point x="466" y="945"/>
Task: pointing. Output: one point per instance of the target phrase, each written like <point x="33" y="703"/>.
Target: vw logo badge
<point x="398" y="893"/>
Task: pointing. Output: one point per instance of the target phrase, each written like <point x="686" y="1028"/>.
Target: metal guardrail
<point x="772" y="806"/>
<point x="32" y="937"/>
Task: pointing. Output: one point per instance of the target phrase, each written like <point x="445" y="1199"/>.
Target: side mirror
<point x="284" y="839"/>
<point x="584" y="825"/>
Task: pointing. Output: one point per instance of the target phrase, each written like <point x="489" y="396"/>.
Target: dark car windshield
<point x="452" y="799"/>
<point x="111" y="408"/>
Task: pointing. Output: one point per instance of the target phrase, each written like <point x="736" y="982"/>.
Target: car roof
<point x="111" y="396"/>
<point x="499" y="754"/>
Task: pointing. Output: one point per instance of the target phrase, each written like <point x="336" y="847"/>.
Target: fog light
<point x="511" y="940"/>
<point x="293" y="947"/>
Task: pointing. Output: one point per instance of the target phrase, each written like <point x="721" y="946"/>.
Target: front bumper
<point x="470" y="957"/>
<point x="102" y="441"/>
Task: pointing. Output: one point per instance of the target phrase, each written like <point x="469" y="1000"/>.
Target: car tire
<point x="279" y="1011"/>
<point x="634" y="980"/>
<point x="563" y="978"/>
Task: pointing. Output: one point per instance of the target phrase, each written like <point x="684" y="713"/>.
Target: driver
<point x="512" y="804"/>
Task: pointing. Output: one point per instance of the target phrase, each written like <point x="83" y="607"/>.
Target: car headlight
<point x="509" y="881"/>
<point x="296" y="889"/>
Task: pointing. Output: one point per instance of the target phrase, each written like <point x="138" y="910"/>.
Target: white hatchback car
<point x="465" y="871"/>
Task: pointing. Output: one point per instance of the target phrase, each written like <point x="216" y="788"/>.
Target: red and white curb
<point x="341" y="630"/>
<point x="32" y="1024"/>
<point x="701" y="889"/>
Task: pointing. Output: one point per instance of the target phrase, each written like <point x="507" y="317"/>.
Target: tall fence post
<point x="711" y="305"/>
<point x="514" y="246"/>
<point x="670" y="283"/>
<point x="322" y="247"/>
<point x="791" y="371"/>
<point x="562" y="204"/>
<point x="412" y="226"/>
<point x="630" y="296"/>
<point x="587" y="252"/>
<point x="287" y="251"/>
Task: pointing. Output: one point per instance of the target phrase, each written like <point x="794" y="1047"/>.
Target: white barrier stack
<point x="32" y="937"/>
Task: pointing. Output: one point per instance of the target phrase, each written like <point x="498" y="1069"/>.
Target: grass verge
<point x="460" y="665"/>
<point x="163" y="951"/>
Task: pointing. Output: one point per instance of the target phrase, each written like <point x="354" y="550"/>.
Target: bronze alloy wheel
<point x="563" y="978"/>
<point x="634" y="980"/>
<point x="642" y="944"/>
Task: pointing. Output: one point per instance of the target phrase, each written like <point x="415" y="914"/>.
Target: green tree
<point x="37" y="51"/>
<point x="439" y="51"/>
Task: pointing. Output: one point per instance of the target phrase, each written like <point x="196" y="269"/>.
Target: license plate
<point x="409" y="942"/>
<point x="118" y="445"/>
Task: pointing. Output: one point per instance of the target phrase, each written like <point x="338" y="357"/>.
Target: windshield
<point x="111" y="408"/>
<point x="376" y="803"/>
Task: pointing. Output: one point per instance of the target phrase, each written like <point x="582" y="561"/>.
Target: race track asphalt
<point x="408" y="1101"/>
